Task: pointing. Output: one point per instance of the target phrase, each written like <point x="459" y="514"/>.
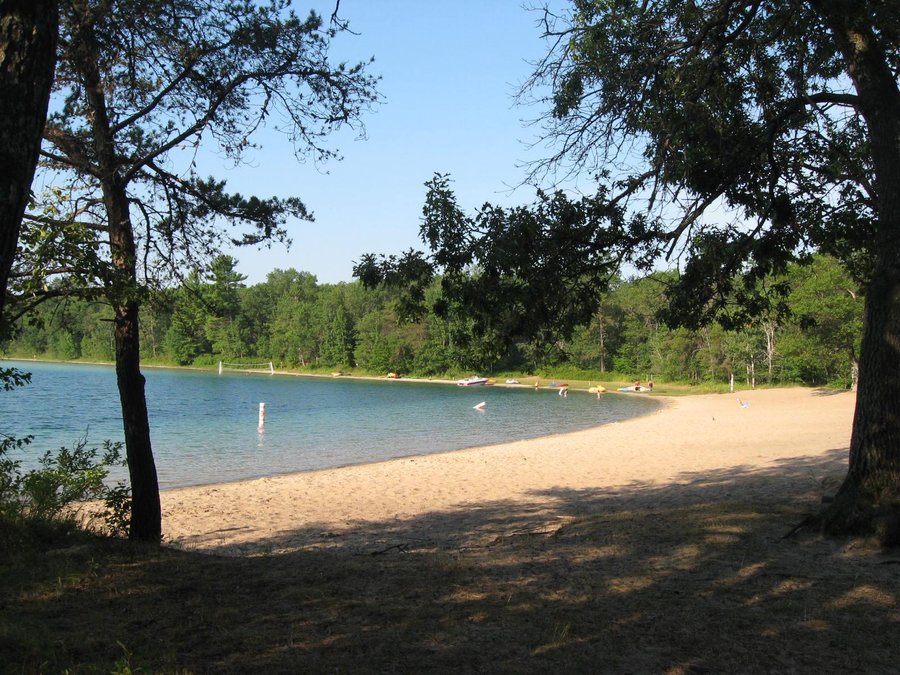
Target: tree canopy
<point x="140" y="86"/>
<point x="296" y="322"/>
<point x="735" y="127"/>
<point x="731" y="139"/>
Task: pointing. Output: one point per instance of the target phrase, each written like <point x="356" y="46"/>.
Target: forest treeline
<point x="295" y="322"/>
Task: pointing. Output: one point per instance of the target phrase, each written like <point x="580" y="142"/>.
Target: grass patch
<point x="697" y="586"/>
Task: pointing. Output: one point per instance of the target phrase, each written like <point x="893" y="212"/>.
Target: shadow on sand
<point x="689" y="578"/>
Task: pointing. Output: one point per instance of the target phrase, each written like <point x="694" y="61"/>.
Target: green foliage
<point x="137" y="85"/>
<point x="62" y="346"/>
<point x="339" y="341"/>
<point x="10" y="477"/>
<point x="182" y="341"/>
<point x="516" y="274"/>
<point x="165" y="87"/>
<point x="117" y="514"/>
<point x="742" y="111"/>
<point x="66" y="477"/>
<point x="380" y="346"/>
<point x="823" y="342"/>
<point x="97" y="344"/>
<point x="13" y="377"/>
<point x="295" y="322"/>
<point x="736" y="138"/>
<point x="44" y="496"/>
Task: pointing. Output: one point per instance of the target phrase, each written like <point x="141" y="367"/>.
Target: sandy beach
<point x="691" y="441"/>
<point x="655" y="545"/>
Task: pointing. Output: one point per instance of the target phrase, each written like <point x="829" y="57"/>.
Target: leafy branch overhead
<point x="721" y="136"/>
<point x="745" y="136"/>
<point x="731" y="138"/>
<point x="174" y="79"/>
<point x="140" y="86"/>
<point x="514" y="271"/>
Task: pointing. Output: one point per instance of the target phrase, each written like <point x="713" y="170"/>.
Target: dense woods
<point x="295" y="322"/>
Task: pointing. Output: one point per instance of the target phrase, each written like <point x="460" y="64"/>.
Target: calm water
<point x="204" y="426"/>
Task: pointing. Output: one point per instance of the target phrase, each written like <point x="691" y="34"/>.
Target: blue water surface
<point x="204" y="425"/>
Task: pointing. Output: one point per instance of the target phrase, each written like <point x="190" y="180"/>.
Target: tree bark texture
<point x="146" y="511"/>
<point x="868" y="501"/>
<point x="123" y="292"/>
<point x="28" y="33"/>
<point x="146" y="516"/>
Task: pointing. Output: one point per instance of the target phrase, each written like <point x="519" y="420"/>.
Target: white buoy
<point x="262" y="417"/>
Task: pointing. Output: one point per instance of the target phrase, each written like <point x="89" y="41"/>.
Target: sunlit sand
<point x="692" y="440"/>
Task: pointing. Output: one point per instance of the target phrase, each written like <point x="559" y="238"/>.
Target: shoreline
<point x="689" y="441"/>
<point x="292" y="373"/>
<point x="174" y="475"/>
<point x="661" y="402"/>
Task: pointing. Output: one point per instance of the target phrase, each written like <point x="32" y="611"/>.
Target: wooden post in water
<point x="262" y="417"/>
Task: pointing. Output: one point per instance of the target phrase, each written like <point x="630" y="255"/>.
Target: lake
<point x="204" y="425"/>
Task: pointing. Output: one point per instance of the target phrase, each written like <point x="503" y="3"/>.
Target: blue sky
<point x="449" y="72"/>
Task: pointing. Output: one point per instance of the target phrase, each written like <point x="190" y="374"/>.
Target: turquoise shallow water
<point x="204" y="425"/>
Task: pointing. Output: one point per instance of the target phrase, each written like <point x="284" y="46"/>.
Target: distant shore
<point x="692" y="440"/>
<point x="292" y="373"/>
<point x="527" y="381"/>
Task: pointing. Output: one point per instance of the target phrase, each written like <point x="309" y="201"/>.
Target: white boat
<point x="636" y="388"/>
<point x="472" y="381"/>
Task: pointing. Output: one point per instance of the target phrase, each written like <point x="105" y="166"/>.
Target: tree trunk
<point x="868" y="502"/>
<point x="28" y="30"/>
<point x="146" y="517"/>
<point x="146" y="513"/>
<point x="123" y="292"/>
<point x="602" y="344"/>
<point x="769" y="328"/>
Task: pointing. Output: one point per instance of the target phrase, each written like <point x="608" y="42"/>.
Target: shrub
<point x="44" y="497"/>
